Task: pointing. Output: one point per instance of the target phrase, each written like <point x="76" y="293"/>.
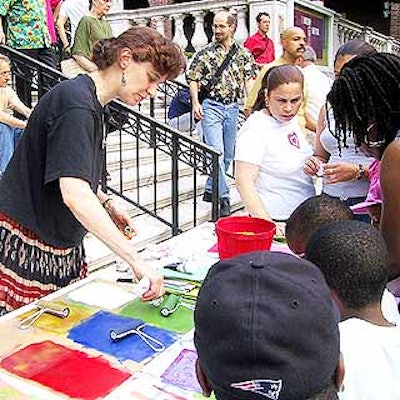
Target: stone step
<point x="147" y="174"/>
<point x="146" y="194"/>
<point x="129" y="157"/>
<point x="151" y="230"/>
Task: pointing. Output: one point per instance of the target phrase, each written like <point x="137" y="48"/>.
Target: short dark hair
<point x="367" y="91"/>
<point x="260" y="15"/>
<point x="310" y="215"/>
<point x="353" y="258"/>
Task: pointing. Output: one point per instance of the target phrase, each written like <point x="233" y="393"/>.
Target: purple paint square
<point x="95" y="333"/>
<point x="182" y="372"/>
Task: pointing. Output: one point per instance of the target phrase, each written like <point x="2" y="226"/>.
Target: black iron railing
<point x="163" y="160"/>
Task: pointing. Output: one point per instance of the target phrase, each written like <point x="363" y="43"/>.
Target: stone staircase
<point x="150" y="229"/>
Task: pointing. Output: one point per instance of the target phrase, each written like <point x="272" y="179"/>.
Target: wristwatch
<point x="360" y="172"/>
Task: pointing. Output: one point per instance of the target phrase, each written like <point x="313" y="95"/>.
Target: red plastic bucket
<point x="238" y="235"/>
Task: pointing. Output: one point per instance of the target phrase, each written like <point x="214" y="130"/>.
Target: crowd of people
<point x="325" y="328"/>
<point x="317" y="324"/>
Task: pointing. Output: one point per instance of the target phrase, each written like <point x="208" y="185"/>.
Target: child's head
<point x="250" y="310"/>
<point x="353" y="258"/>
<point x="5" y="70"/>
<point x="309" y="216"/>
<point x="281" y="92"/>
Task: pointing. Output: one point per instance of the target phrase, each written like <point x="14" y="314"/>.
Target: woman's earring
<point x="123" y="79"/>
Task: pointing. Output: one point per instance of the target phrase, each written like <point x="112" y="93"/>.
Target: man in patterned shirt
<point x="27" y="32"/>
<point x="219" y="111"/>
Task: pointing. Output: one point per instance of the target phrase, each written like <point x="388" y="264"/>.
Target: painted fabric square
<point x="182" y="372"/>
<point x="71" y="372"/>
<point x="95" y="333"/>
<point x="180" y="321"/>
<point x="52" y="323"/>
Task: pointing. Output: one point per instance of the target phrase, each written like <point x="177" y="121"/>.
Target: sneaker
<point x="207" y="197"/>
<point x="225" y="207"/>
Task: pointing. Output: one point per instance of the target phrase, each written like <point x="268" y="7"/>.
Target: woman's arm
<point x="390" y="218"/>
<point x="22" y="108"/>
<point x="12" y="121"/>
<point x="312" y="164"/>
<point x="245" y="178"/>
<point x="87" y="209"/>
<point x="61" y="20"/>
<point x="83" y="43"/>
<point x="85" y="63"/>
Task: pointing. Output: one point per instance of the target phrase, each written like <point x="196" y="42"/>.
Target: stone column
<point x="158" y="23"/>
<point x="199" y="38"/>
<point x="241" y="33"/>
<point x="179" y="36"/>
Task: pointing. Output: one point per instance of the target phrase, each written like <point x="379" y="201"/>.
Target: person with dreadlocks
<point x="344" y="170"/>
<point x="365" y="100"/>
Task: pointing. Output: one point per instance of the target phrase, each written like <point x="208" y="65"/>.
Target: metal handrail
<point x="180" y="151"/>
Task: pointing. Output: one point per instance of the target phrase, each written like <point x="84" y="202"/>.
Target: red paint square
<point x="65" y="370"/>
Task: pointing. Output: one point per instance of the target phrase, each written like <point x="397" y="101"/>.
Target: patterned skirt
<point x="30" y="268"/>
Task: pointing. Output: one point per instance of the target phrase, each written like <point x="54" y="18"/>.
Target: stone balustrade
<point x="189" y="24"/>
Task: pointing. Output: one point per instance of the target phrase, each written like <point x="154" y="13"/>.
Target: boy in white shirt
<point x="354" y="260"/>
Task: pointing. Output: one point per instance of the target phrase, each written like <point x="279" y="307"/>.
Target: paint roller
<point x="152" y="342"/>
<point x="172" y="304"/>
<point x="44" y="307"/>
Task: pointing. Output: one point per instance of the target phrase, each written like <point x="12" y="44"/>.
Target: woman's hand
<point x="156" y="281"/>
<point x="121" y="219"/>
<point x="312" y="166"/>
<point x="340" y="172"/>
<point x="280" y="229"/>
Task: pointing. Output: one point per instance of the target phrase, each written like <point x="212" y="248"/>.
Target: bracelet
<point x="359" y="171"/>
<point x="106" y="201"/>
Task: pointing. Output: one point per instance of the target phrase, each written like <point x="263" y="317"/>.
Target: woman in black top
<point x="49" y="194"/>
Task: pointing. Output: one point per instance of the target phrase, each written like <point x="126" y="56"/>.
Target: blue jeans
<point x="219" y="129"/>
<point x="9" y="138"/>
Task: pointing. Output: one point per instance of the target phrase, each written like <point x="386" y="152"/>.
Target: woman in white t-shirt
<point x="271" y="149"/>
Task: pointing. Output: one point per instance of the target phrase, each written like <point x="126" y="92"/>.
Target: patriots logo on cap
<point x="265" y="387"/>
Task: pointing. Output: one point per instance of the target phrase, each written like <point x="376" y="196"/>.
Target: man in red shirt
<point x="260" y="45"/>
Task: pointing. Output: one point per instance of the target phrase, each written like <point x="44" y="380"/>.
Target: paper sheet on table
<point x="197" y="276"/>
<point x="101" y="294"/>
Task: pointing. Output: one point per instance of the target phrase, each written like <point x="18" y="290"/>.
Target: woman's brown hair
<point x="147" y="45"/>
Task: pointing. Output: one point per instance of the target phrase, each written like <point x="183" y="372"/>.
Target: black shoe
<point x="225" y="207"/>
<point x="207" y="197"/>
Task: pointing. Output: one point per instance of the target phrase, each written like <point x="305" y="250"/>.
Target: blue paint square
<point x="95" y="333"/>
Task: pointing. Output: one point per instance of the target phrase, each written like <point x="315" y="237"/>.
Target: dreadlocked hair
<point x="367" y="91"/>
